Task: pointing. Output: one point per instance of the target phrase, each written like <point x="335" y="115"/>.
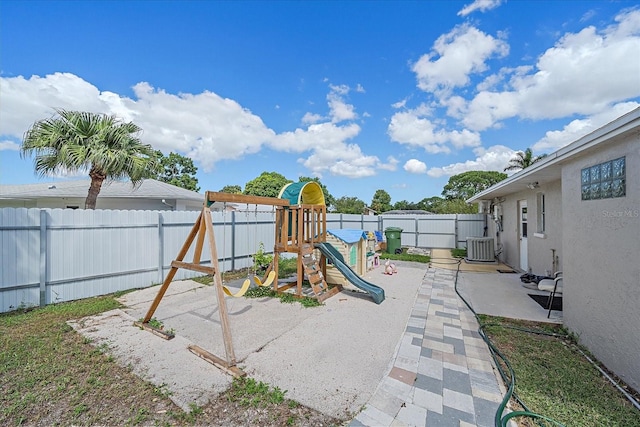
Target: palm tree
<point x="76" y="141"/>
<point x="523" y="160"/>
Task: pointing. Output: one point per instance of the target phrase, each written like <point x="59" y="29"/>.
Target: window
<point x="604" y="181"/>
<point x="540" y="212"/>
<point x="353" y="256"/>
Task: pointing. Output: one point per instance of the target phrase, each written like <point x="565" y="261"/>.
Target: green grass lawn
<point x="406" y="257"/>
<point x="555" y="380"/>
<point x="51" y="375"/>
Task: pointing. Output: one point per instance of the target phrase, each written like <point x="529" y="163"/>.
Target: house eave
<point x="550" y="168"/>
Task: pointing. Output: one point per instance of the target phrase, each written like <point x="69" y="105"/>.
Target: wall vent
<point x="480" y="249"/>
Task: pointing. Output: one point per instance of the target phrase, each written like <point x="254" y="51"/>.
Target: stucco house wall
<point x="543" y="245"/>
<point x="540" y="244"/>
<point x="599" y="240"/>
<point x="602" y="262"/>
<point x="508" y="238"/>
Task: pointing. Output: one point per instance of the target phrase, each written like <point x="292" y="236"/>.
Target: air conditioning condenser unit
<point x="480" y="249"/>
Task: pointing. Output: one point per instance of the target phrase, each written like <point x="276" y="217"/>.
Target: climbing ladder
<point x="314" y="273"/>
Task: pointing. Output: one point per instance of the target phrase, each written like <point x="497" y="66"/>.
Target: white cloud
<point x="320" y="135"/>
<point x="25" y="101"/>
<point x="340" y="89"/>
<point x="399" y="104"/>
<point x="9" y="146"/>
<point x="342" y="160"/>
<point x="391" y="165"/>
<point x="204" y="126"/>
<point x="584" y="73"/>
<point x="310" y="118"/>
<point x="481" y="5"/>
<point x="415" y="128"/>
<point x="494" y="158"/>
<point x="415" y="166"/>
<point x="330" y="152"/>
<point x="578" y="128"/>
<point x="455" y="56"/>
<point x="487" y="109"/>
<point x="339" y="110"/>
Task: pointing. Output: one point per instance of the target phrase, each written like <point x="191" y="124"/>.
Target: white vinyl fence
<point x="56" y="255"/>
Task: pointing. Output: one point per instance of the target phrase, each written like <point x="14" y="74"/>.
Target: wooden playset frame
<point x="297" y="229"/>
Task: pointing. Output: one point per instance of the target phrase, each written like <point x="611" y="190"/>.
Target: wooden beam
<point x="159" y="332"/>
<point x="217" y="282"/>
<point x="199" y="241"/>
<point x="172" y="272"/>
<point x="214" y="196"/>
<point x="194" y="267"/>
<point x="216" y="361"/>
<point x="328" y="294"/>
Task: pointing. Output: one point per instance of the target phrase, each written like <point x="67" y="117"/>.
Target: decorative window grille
<point x="604" y="181"/>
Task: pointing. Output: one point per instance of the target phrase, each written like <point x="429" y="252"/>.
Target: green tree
<point x="456" y="206"/>
<point x="431" y="204"/>
<point x="438" y="205"/>
<point x="105" y="146"/>
<point x="268" y="184"/>
<point x="178" y="170"/>
<point x="466" y="184"/>
<point x="405" y="205"/>
<point x="523" y="160"/>
<point x="349" y="205"/>
<point x="381" y="201"/>
<point x="231" y="189"/>
<point x="329" y="200"/>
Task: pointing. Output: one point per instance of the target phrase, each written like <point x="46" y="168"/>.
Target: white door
<point x="522" y="215"/>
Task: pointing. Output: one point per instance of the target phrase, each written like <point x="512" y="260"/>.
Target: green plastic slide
<point x="376" y="292"/>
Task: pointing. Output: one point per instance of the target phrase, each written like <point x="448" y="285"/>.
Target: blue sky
<point x="365" y="95"/>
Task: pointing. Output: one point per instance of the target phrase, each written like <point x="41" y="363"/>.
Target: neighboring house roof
<point x="149" y="188"/>
<point x="348" y="235"/>
<point x="549" y="169"/>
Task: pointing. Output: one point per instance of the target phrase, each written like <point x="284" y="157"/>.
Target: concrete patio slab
<point x="330" y="358"/>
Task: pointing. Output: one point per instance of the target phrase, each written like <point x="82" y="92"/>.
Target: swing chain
<point x="224" y="242"/>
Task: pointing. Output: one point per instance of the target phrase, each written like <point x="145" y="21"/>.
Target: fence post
<point x="455" y="232"/>
<point x="160" y="248"/>
<point x="43" y="258"/>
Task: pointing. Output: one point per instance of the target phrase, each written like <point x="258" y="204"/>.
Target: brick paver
<point x="442" y="373"/>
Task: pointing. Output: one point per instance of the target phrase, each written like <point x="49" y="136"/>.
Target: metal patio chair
<point x="553" y="286"/>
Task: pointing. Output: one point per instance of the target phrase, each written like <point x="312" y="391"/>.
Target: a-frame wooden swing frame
<point x="203" y="229"/>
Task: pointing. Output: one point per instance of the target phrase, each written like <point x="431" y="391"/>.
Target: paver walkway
<point x="442" y="373"/>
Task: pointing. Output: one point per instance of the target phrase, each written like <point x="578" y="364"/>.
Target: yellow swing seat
<point x="270" y="277"/>
<point x="241" y="292"/>
<point x="247" y="283"/>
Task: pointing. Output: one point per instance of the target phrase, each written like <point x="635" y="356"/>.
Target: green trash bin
<point x="394" y="238"/>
